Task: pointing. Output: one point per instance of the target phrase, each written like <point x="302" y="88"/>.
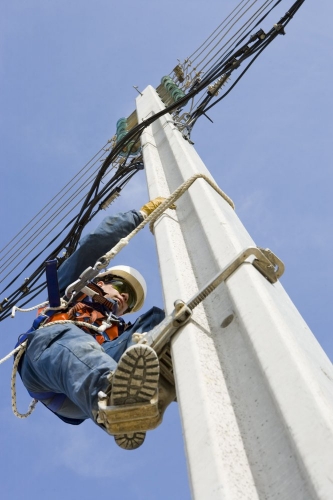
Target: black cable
<point x="93" y="197"/>
<point x="244" y="53"/>
<point x="72" y="236"/>
<point x="62" y="193"/>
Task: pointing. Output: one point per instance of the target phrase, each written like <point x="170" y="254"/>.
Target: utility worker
<point x="66" y="366"/>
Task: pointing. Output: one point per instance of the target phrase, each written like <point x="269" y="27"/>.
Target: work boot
<point x="135" y="381"/>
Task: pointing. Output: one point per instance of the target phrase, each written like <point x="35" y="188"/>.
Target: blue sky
<point x="67" y="71"/>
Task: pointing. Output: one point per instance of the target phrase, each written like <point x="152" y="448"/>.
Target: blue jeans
<point x="63" y="359"/>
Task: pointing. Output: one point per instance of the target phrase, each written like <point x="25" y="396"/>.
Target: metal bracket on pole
<point x="265" y="261"/>
<point x="269" y="265"/>
<point x="138" y="417"/>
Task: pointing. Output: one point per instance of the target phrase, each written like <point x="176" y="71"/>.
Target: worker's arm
<point x="95" y="244"/>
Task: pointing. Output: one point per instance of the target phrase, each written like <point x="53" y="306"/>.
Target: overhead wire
<point x="243" y="28"/>
<point x="256" y="50"/>
<point x="206" y="79"/>
<point x="27" y="288"/>
<point x="40" y="230"/>
<point x="125" y="172"/>
<point x="19" y="234"/>
<point x="240" y="36"/>
<point x="210" y="36"/>
<point x="53" y="217"/>
<point x="227" y="31"/>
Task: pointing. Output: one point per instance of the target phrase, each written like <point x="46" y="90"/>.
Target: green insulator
<point x="121" y="121"/>
<point x="121" y="136"/>
<point x="165" y="79"/>
<point x="177" y="94"/>
<point x="178" y="98"/>
<point x="121" y="129"/>
<point x="169" y="83"/>
<point x="170" y="87"/>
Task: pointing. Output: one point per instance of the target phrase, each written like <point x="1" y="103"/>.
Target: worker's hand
<point x="149" y="207"/>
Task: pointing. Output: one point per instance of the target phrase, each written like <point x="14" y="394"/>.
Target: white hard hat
<point x="134" y="278"/>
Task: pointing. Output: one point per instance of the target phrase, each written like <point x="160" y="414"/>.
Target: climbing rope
<point x="77" y="323"/>
<point x="151" y="219"/>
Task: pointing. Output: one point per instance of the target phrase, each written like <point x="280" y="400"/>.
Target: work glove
<point x="149" y="207"/>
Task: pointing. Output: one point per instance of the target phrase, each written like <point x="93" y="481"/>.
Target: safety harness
<point x="93" y="309"/>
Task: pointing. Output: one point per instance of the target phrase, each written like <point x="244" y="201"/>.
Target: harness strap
<point x="52" y="283"/>
<point x="55" y="405"/>
<point x="57" y="399"/>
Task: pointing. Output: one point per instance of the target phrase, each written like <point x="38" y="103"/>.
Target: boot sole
<point x="136" y="377"/>
<point x="130" y="441"/>
<point x="135" y="381"/>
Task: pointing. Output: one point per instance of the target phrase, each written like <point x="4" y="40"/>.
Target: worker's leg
<point x="147" y="367"/>
<point x="65" y="359"/>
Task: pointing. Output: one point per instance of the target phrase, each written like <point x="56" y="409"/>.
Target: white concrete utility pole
<point x="255" y="389"/>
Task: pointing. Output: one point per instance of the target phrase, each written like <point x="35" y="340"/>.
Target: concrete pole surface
<point x="255" y="389"/>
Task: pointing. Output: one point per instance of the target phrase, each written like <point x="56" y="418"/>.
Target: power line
<point x="95" y="197"/>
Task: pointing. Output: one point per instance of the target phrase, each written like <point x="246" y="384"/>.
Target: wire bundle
<point x="219" y="57"/>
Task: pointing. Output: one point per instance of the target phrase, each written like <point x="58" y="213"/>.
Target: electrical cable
<point x="223" y="22"/>
<point x="243" y="53"/>
<point x="19" y="234"/>
<point x="228" y="31"/>
<point x="225" y="65"/>
<point x="250" y="20"/>
<point x="20" y="249"/>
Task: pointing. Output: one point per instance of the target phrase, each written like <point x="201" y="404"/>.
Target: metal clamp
<point x="88" y="275"/>
<point x="269" y="265"/>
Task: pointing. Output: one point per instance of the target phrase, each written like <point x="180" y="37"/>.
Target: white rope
<point x="77" y="323"/>
<point x="14" y="351"/>
<point x="63" y="305"/>
<point x="151" y="219"/>
<point x="21" y="350"/>
<point x="15" y="308"/>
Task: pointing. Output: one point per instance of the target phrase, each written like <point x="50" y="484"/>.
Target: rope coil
<point x="20" y="350"/>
